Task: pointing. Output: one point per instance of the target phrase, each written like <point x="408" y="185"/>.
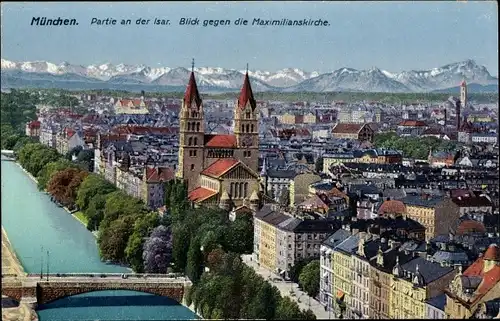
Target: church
<point x="220" y="170"/>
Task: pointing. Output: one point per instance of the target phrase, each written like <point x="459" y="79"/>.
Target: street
<point x="291" y="290"/>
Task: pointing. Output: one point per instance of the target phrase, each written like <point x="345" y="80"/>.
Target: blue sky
<point x="393" y="36"/>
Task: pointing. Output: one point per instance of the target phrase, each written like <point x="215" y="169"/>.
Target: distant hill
<point x="471" y="88"/>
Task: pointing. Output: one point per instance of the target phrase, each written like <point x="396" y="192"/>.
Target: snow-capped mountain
<point x="288" y="79"/>
<point x="348" y="79"/>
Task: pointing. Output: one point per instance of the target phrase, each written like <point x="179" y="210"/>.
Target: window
<point x="242" y="128"/>
<point x="189" y="126"/>
<point x="192" y="167"/>
<point x="241" y="190"/>
<point x="247" y="153"/>
<point x="252" y="128"/>
<point x="190" y="141"/>
<point x="248" y="115"/>
<point x="248" y="128"/>
<point x="245" y="191"/>
<point x="196" y="141"/>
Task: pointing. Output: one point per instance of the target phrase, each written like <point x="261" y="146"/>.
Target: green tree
<point x="264" y="303"/>
<point x="287" y="310"/>
<point x="142" y="229"/>
<point x="297" y="269"/>
<point x="180" y="246"/>
<point x="309" y="278"/>
<point x="239" y="235"/>
<point x="91" y="186"/>
<point x="49" y="169"/>
<point x="113" y="240"/>
<point x="95" y="212"/>
<point x="194" y="264"/>
<point x="308" y="315"/>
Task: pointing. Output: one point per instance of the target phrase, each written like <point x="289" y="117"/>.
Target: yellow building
<point x="228" y="180"/>
<point x="309" y="118"/>
<point x="413" y="283"/>
<point x="287" y="118"/>
<point x="265" y="243"/>
<point x="342" y="275"/>
<point x="435" y="213"/>
<point x="478" y="284"/>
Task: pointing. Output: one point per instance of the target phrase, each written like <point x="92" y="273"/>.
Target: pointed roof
<point x="246" y="94"/>
<point x="492" y="253"/>
<point x="463" y="83"/>
<point x="192" y="92"/>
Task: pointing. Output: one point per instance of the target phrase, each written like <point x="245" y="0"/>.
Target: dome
<point x="392" y="207"/>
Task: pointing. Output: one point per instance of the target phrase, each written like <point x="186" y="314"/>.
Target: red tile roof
<point x="392" y="207"/>
<point x="126" y="102"/>
<point x="246" y="94"/>
<point x="220" y="166"/>
<point x="200" y="194"/>
<point x="226" y="141"/>
<point x="159" y="174"/>
<point x="348" y="128"/>
<point x="192" y="92"/>
<point x="34" y="124"/>
<point x="489" y="277"/>
<point x="463" y="83"/>
<point x="472" y="201"/>
<point x="412" y="123"/>
<point x="469" y="226"/>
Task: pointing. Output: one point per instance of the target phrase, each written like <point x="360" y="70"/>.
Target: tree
<point x="309" y="278"/>
<point x="49" y="169"/>
<point x="86" y="159"/>
<point x="95" y="212"/>
<point x="143" y="227"/>
<point x="264" y="303"/>
<point x="158" y="250"/>
<point x="239" y="235"/>
<point x="308" y="315"/>
<point x="73" y="152"/>
<point x="64" y="184"/>
<point x="318" y="165"/>
<point x="92" y="185"/>
<point x="112" y="241"/>
<point x="287" y="310"/>
<point x="180" y="246"/>
<point x="296" y="269"/>
<point x="194" y="263"/>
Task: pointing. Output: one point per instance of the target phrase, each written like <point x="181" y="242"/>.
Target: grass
<point x="81" y="217"/>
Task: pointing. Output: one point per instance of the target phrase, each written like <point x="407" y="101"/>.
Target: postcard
<point x="249" y="160"/>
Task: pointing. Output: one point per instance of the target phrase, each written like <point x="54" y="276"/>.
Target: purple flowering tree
<point x="157" y="253"/>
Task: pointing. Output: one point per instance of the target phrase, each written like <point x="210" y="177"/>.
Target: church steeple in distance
<point x="192" y="90"/>
<point x="246" y="94"/>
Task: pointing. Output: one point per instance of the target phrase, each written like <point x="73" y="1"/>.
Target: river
<point x="36" y="225"/>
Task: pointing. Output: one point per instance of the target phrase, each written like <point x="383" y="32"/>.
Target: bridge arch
<point x="50" y="292"/>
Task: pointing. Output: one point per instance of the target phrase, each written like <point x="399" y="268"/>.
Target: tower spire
<point x="192" y="65"/>
<point x="247" y="67"/>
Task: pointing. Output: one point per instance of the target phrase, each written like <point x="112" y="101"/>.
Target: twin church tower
<point x="200" y="152"/>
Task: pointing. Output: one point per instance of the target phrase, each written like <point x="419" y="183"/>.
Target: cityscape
<point x="133" y="191"/>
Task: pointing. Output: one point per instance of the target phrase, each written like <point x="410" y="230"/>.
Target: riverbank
<point x="11" y="266"/>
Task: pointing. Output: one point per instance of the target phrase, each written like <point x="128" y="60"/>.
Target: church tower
<point x="191" y="134"/>
<point x="463" y="93"/>
<point x="246" y="128"/>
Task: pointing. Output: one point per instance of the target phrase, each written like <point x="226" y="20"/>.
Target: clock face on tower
<point x="247" y="141"/>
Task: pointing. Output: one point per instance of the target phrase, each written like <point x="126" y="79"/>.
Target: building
<point x="131" y="106"/>
<point x="199" y="151"/>
<point x="33" y="129"/>
<point x="361" y="132"/>
<point x="153" y="188"/>
<point x="342" y="276"/>
<point x="280" y="240"/>
<point x="478" y="284"/>
<point x="326" y="287"/>
<point x="415" y="282"/>
<point x="411" y="128"/>
<point x="435" y="307"/>
<point x="435" y="213"/>
<point x="463" y="93"/>
<point x="68" y="139"/>
<point x="380" y="281"/>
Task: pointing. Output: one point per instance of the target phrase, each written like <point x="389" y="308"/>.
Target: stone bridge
<point x="35" y="290"/>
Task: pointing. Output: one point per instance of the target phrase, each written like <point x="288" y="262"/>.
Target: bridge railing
<point x="110" y="275"/>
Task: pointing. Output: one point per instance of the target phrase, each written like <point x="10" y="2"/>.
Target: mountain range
<point x="109" y="76"/>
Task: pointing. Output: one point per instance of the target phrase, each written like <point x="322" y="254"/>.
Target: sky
<point x="393" y="36"/>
